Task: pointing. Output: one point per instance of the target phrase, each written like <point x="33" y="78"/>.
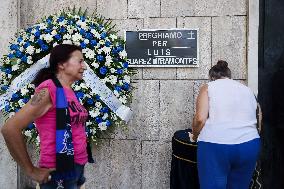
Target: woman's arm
<point x="202" y="111"/>
<point x="12" y="132"/>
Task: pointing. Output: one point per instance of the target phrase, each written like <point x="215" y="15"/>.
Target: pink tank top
<point x="46" y="126"/>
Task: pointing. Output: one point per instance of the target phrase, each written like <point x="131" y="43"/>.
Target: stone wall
<point x="165" y="97"/>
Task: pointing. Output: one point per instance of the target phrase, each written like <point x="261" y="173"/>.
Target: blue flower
<point x="99" y="119"/>
<point x="108" y="123"/>
<point x="49" y="20"/>
<point x="79" y="94"/>
<point x="8" y="70"/>
<point x="19" y="39"/>
<point x="118" y="88"/>
<point x="103" y="70"/>
<point x="83" y="45"/>
<point x="29" y="30"/>
<point x="103" y="35"/>
<point x="19" y="54"/>
<point x="108" y="44"/>
<point x="27" y="44"/>
<point x="16" y="110"/>
<point x="82" y="18"/>
<point x="125" y="64"/>
<point x="24" y="59"/>
<point x="57" y="36"/>
<point x="62" y="30"/>
<point x="44" y="47"/>
<point x="88" y="35"/>
<point x="114" y="51"/>
<point x="14" y="47"/>
<point x="100" y="58"/>
<point x="25" y="100"/>
<point x="126" y="86"/>
<point x="90" y="101"/>
<point x="60" y="19"/>
<point x="48" y="30"/>
<point x="7" y="108"/>
<point x="40" y="42"/>
<point x="70" y="22"/>
<point x="97" y="97"/>
<point x="119" y="48"/>
<point x="15" y="96"/>
<point x="82" y="32"/>
<point x="104" y="110"/>
<point x="119" y="71"/>
<point x="37" y="34"/>
<point x="93" y="43"/>
<point x="11" y="55"/>
<point x="31" y="126"/>
<point x="4" y="88"/>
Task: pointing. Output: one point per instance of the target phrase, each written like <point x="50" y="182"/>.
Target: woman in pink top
<point x="67" y="65"/>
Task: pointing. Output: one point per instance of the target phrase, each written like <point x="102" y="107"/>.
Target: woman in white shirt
<point x="225" y="128"/>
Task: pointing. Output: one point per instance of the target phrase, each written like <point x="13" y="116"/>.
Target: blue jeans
<point x="68" y="184"/>
<point x="224" y="166"/>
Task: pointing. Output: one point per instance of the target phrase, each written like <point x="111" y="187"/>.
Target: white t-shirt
<point x="232" y="113"/>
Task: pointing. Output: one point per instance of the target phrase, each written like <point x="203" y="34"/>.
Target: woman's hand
<point x="40" y="175"/>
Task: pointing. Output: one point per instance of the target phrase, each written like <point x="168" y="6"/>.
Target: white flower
<point x="29" y="60"/>
<point x="15" y="67"/>
<point x="86" y="41"/>
<point x="30" y="50"/>
<point x="92" y="113"/>
<point x="113" y="37"/>
<point x="99" y="51"/>
<point x="24" y="91"/>
<point x="95" y="64"/>
<point x="126" y="79"/>
<point x="42" y="26"/>
<point x="122" y="99"/>
<point x="122" y="54"/>
<point x="82" y="24"/>
<point x="48" y="38"/>
<point x="37" y="50"/>
<point x="18" y="61"/>
<point x="67" y="36"/>
<point x="21" y="103"/>
<point x="98" y="104"/>
<point x="106" y="49"/>
<point x="105" y="116"/>
<point x="88" y="123"/>
<point x="90" y="54"/>
<point x="108" y="64"/>
<point x="28" y="134"/>
<point x="77" y="37"/>
<point x="21" y="48"/>
<point x="83" y="85"/>
<point x="116" y="93"/>
<point x="32" y="38"/>
<point x="102" y="126"/>
<point x="112" y="70"/>
<point x="54" y="32"/>
<point x="11" y="114"/>
<point x="113" y="79"/>
<point x="77" y="88"/>
<point x="67" y="42"/>
<point x="96" y="34"/>
<point x="54" y="44"/>
<point x="102" y="42"/>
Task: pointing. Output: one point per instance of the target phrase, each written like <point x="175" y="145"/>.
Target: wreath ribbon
<point x="90" y="78"/>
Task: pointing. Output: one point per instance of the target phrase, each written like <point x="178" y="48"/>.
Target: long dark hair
<point x="220" y="70"/>
<point x="59" y="54"/>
